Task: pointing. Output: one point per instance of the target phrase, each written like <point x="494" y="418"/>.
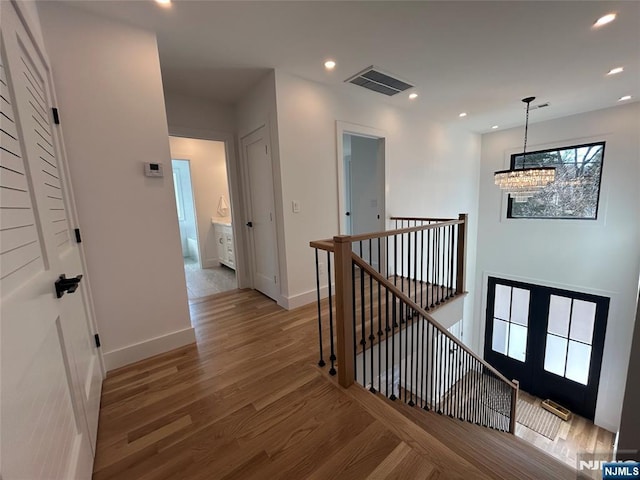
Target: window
<point x="576" y="191"/>
<point x="570" y="338"/>
<point x="510" y="322"/>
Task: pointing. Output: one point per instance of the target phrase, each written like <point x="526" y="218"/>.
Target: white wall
<point x="111" y="103"/>
<point x="600" y="257"/>
<point x="432" y="169"/>
<point x="630" y="424"/>
<point x="185" y="112"/>
<point x="209" y="180"/>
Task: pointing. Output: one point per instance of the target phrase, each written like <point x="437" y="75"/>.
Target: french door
<point x="550" y="340"/>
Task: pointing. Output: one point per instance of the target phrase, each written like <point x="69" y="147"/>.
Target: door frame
<point x="246" y="188"/>
<point x="360" y="131"/>
<point x="481" y="324"/>
<point x="233" y="183"/>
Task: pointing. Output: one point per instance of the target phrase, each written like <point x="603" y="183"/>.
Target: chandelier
<point x="523" y="183"/>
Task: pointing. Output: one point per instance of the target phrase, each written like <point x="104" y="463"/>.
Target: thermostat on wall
<point x="153" y="170"/>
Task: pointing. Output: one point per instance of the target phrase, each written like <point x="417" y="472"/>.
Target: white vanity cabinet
<point x="224" y="242"/>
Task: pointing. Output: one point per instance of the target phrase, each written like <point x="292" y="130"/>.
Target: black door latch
<point x="67" y="285"/>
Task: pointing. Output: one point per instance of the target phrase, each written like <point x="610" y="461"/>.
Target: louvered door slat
<point x="39" y="122"/>
<point x="20" y="248"/>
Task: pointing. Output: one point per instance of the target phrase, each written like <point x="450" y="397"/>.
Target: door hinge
<point x="275" y="280"/>
<point x="96" y="337"/>
<point x="78" y="237"/>
<point x="266" y="151"/>
<point x="56" y="116"/>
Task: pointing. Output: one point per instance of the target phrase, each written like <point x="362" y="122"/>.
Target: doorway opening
<point x="362" y="187"/>
<point x="201" y="187"/>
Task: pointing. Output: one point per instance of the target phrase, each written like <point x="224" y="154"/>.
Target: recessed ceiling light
<point x="613" y="71"/>
<point x="626" y="97"/>
<point x="463" y="114"/>
<point x="608" y="18"/>
<point x="164" y="3"/>
<point x="413" y="96"/>
<point x="494" y="127"/>
<point x="330" y="64"/>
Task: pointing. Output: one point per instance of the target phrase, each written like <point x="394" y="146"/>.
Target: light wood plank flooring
<point x="248" y="401"/>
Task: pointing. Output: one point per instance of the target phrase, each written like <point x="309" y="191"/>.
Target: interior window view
<point x="278" y="240"/>
<point x="204" y="216"/>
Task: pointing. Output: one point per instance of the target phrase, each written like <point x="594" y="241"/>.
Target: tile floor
<point x="208" y="281"/>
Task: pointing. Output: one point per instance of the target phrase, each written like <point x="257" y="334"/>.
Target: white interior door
<point x="51" y="372"/>
<point x="261" y="224"/>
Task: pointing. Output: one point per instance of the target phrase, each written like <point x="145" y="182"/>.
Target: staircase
<point x="382" y="330"/>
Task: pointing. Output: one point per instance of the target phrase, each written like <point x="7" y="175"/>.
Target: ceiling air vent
<point x="542" y="105"/>
<point x="372" y="78"/>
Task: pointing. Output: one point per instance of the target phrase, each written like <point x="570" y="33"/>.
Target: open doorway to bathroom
<point x="204" y="215"/>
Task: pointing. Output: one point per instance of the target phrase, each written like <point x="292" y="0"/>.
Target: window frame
<point x="512" y="161"/>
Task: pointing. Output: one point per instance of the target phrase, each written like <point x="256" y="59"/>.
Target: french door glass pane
<point x="582" y="321"/>
<point x="559" y="314"/>
<point x="578" y="362"/>
<point x="518" y="342"/>
<point x="520" y="306"/>
<point x="502" y="304"/>
<point x="500" y="335"/>
<point x="555" y="355"/>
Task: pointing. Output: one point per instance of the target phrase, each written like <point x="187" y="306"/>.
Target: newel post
<point x="344" y="309"/>
<point x="461" y="260"/>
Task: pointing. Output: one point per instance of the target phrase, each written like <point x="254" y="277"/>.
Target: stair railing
<point x="384" y="337"/>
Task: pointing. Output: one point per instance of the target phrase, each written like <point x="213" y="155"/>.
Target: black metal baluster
<point x="452" y="359"/>
<point x="453" y="255"/>
<point x="371" y="335"/>
<point x="393" y="346"/>
<point x="395" y="260"/>
<point x="445" y="267"/>
<point x="422" y="285"/>
<point x="332" y="356"/>
<point x="470" y="400"/>
<point x="387" y="329"/>
<point x="440" y="371"/>
<point x="379" y="320"/>
<point x="412" y="353"/>
<point x="428" y="368"/>
<point x="415" y="267"/>
<point x="403" y="357"/>
<point x="402" y="266"/>
<point x="424" y="350"/>
<point x="427" y="287"/>
<point x="363" y="332"/>
<point x="432" y="373"/>
<point x="353" y="303"/>
<point x="321" y="362"/>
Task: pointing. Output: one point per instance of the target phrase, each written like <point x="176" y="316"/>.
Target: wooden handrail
<point x="415" y="307"/>
<point x="400" y="231"/>
<point x="327" y="244"/>
<point x="422" y="219"/>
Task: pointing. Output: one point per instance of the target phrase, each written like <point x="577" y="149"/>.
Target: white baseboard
<point x="155" y="346"/>
<point x="305" y="298"/>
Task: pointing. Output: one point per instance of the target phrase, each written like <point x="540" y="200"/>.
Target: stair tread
<point x="495" y="454"/>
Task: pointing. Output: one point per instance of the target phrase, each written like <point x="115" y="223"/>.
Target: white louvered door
<point x="50" y="370"/>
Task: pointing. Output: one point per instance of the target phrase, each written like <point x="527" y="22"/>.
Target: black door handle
<point x="249" y="224"/>
<point x="67" y="285"/>
<point x="348" y="213"/>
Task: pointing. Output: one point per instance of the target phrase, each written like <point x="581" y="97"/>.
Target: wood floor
<point x="249" y="402"/>
<point x="576" y="436"/>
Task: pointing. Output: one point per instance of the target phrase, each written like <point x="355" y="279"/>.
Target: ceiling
<point x="479" y="57"/>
